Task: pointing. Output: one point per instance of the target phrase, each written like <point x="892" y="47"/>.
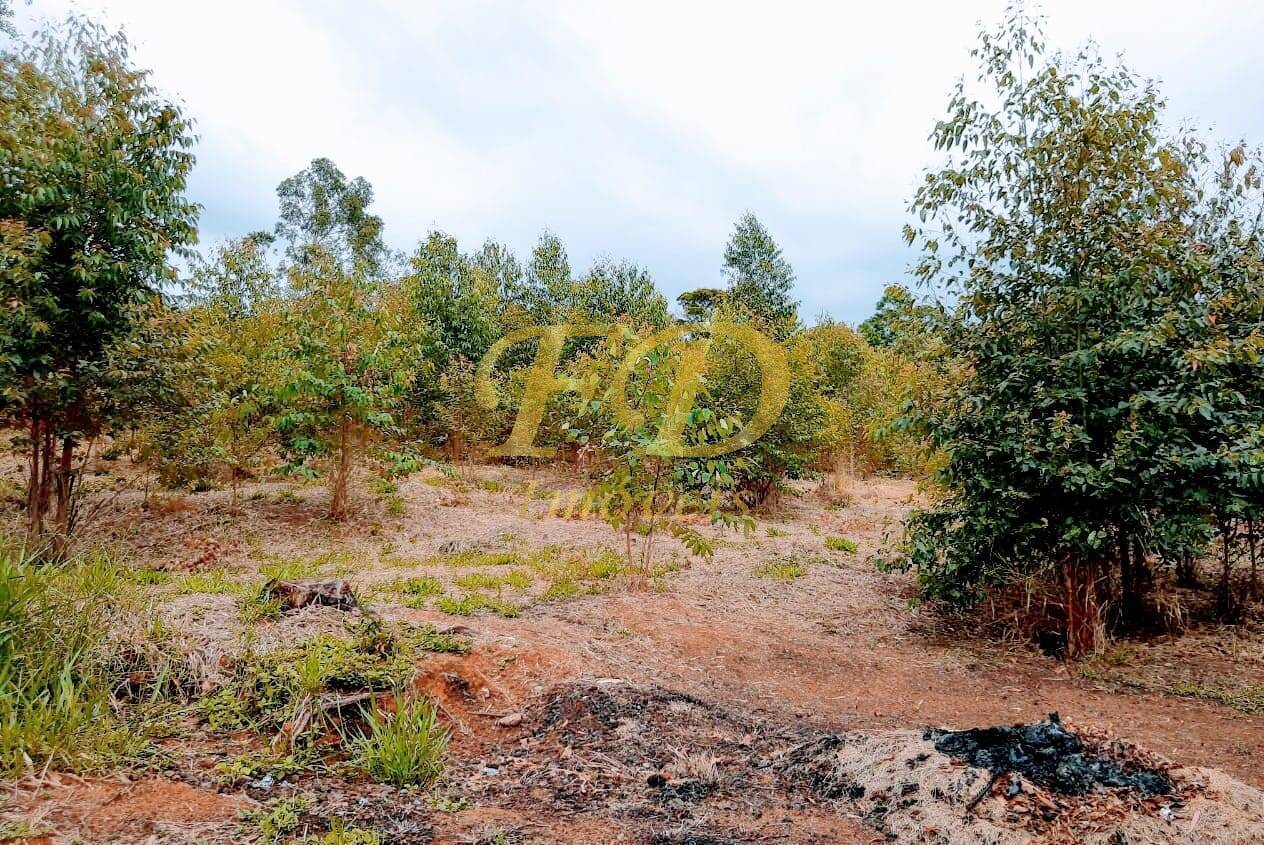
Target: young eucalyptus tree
<point x="93" y="167"/>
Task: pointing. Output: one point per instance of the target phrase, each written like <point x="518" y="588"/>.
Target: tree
<point x="642" y="493"/>
<point x="325" y="217"/>
<point x="902" y="323"/>
<point x="700" y="304"/>
<point x="550" y="293"/>
<point x="760" y="279"/>
<point x="352" y="361"/>
<point x="612" y="290"/>
<point x="352" y="349"/>
<point x="1085" y="434"/>
<point x="238" y="322"/>
<point x="94" y="162"/>
<point x="498" y="266"/>
<point x="455" y="298"/>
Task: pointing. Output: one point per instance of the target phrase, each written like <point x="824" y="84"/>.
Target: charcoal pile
<point x="677" y="769"/>
<point x="1050" y="756"/>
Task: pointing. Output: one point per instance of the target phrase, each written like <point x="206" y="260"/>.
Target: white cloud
<point x="632" y="129"/>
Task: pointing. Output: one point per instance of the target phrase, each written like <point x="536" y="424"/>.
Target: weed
<point x="395" y="505"/>
<point x="22" y="830"/>
<point x="447" y="804"/>
<point x="519" y="579"/>
<point x="73" y="647"/>
<point x="402" y="561"/>
<point x="283" y="687"/>
<point x="405" y="747"/>
<point x="340" y="834"/>
<point x="479" y="581"/>
<point x="840" y="544"/>
<point x="276" y="823"/>
<point x="561" y="589"/>
<point x="475" y="557"/>
<point x="780" y="570"/>
<point x="384" y="486"/>
<point x="607" y="565"/>
<point x="146" y="576"/>
<point x="416" y="590"/>
<point x="776" y="532"/>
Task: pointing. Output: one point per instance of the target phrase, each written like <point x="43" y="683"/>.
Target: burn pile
<point x="1050" y="756"/>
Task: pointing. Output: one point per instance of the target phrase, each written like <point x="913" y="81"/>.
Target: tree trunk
<point x="1134" y="582"/>
<point x="1187" y="572"/>
<point x="1225" y="604"/>
<point x="338" y="506"/>
<point x="64" y="481"/>
<point x="1083" y="608"/>
<point x="34" y="520"/>
<point x="1255" y="561"/>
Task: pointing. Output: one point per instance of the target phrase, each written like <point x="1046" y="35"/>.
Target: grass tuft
<point x="404" y="748"/>
<point x="781" y="570"/>
<point x="840" y="544"/>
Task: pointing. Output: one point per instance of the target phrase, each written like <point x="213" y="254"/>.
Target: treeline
<point x="313" y="349"/>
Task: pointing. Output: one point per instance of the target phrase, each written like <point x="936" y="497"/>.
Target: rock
<point x="510" y="721"/>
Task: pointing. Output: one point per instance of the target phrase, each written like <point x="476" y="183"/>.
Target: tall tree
<point x="760" y="279"/>
<point x="353" y="349"/>
<point x="93" y="167"/>
<point x="700" y="304"/>
<point x="351" y="364"/>
<point x="551" y="293"/>
<point x="622" y="289"/>
<point x="325" y="216"/>
<point x="1078" y="440"/>
<point x="457" y="302"/>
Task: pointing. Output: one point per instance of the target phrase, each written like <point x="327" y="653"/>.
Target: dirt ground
<point x="715" y="665"/>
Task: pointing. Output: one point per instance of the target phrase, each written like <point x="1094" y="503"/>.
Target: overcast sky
<point x="633" y="130"/>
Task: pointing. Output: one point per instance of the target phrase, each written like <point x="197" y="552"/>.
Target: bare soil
<point x="681" y="713"/>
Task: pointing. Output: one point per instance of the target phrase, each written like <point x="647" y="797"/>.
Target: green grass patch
<point x="472" y="603"/>
<point x="840" y="544"/>
<point x="476" y="557"/>
<point x="476" y="581"/>
<point x="269" y="690"/>
<point x="781" y="570"/>
<point x="214" y="582"/>
<point x="1247" y="699"/>
<point x="84" y="675"/>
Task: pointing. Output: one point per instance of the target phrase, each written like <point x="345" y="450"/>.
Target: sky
<point x="637" y="131"/>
